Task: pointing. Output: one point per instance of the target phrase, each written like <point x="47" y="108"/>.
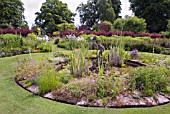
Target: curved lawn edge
<point x="49" y="96"/>
<point x="19" y="101"/>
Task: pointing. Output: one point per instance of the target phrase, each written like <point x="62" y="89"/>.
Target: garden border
<point x="66" y="102"/>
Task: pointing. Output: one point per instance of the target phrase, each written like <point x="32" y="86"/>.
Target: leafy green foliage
<point x="66" y="26"/>
<point x="133" y="24"/>
<point x="106" y="10"/>
<point x="78" y="64"/>
<point x="45" y="47"/>
<point x="64" y="76"/>
<point x="53" y="12"/>
<point x="150" y="79"/>
<point x="98" y="10"/>
<point x="10" y="40"/>
<point x="156" y="13"/>
<point x="48" y="81"/>
<point x="11" y="13"/>
<point x="32" y="36"/>
<point x="118" y="24"/>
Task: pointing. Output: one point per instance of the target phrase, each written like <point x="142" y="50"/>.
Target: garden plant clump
<point x="17" y="44"/>
<point x="89" y="74"/>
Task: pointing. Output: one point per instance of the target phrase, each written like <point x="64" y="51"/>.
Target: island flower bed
<point x="110" y="82"/>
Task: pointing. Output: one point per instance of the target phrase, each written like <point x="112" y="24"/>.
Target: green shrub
<point x="133" y="24"/>
<point x="166" y="34"/>
<point x="6" y="52"/>
<point x="64" y="76"/>
<point x="45" y="47"/>
<point x="61" y="54"/>
<point x="48" y="81"/>
<point x="163" y="42"/>
<point x="71" y="44"/>
<point x="64" y="45"/>
<point x="11" y="40"/>
<point x="118" y="24"/>
<point x="66" y="26"/>
<point x="32" y="36"/>
<point x="144" y="47"/>
<point x="149" y="79"/>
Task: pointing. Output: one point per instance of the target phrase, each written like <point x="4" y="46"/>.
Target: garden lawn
<point x="15" y="100"/>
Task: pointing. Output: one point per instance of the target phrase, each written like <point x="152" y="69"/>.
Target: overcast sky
<point x="33" y="6"/>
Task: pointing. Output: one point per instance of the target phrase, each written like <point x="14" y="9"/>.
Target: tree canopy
<point x="12" y="14"/>
<point x="155" y="12"/>
<point x="95" y="11"/>
<point x="53" y="12"/>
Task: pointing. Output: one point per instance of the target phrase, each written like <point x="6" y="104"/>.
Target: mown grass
<point x="15" y="100"/>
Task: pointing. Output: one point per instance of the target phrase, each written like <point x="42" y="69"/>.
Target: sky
<point x="33" y="6"/>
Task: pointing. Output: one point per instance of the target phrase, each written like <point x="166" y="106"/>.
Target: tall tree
<point x="95" y="11"/>
<point x="116" y="5"/>
<point x="88" y="13"/>
<point x="155" y="12"/>
<point x="12" y="14"/>
<point x="53" y="12"/>
<point x="106" y="11"/>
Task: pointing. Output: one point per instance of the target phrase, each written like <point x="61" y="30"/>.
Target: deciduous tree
<point x="155" y="12"/>
<point x="95" y="11"/>
<point x="12" y="14"/>
<point x="53" y="12"/>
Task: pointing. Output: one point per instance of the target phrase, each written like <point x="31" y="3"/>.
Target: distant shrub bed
<point x="143" y="44"/>
<point x="111" y="33"/>
<point x="22" y="31"/>
<point x="17" y="44"/>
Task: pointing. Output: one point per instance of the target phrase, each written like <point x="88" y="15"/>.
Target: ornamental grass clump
<point x="150" y="79"/>
<point x="78" y="62"/>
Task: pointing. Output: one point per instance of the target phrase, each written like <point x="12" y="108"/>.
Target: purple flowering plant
<point x="133" y="53"/>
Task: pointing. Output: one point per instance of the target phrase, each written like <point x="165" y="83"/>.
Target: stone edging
<point x="123" y="101"/>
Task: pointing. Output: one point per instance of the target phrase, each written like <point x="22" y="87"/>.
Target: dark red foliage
<point x="142" y="35"/>
<point x="127" y="33"/>
<point x="76" y="33"/>
<point x="155" y="35"/>
<point x="22" y="31"/>
<point x="111" y="33"/>
<point x="82" y="28"/>
<point x="104" y="27"/>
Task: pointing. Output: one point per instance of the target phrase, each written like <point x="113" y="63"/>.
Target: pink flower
<point x="93" y="92"/>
